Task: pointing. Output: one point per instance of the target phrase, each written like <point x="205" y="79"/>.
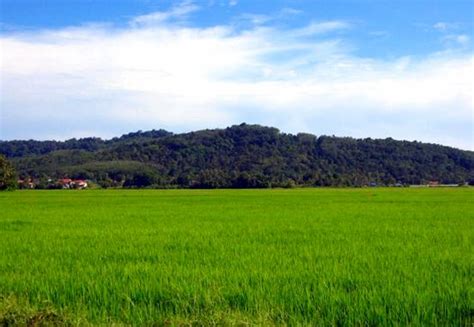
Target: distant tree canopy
<point x="8" y="177"/>
<point x="243" y="156"/>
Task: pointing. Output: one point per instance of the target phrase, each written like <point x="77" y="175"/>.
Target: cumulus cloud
<point x="103" y="80"/>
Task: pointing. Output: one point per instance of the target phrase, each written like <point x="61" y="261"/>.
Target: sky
<point x="362" y="68"/>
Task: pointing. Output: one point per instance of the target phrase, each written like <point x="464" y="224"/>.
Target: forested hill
<point x="239" y="156"/>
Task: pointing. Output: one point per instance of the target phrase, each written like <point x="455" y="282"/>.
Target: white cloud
<point x="104" y="80"/>
<point x="458" y="39"/>
<point x="321" y="28"/>
<point x="179" y="12"/>
<point x="261" y="19"/>
<point x="444" y="26"/>
<point x="255" y="19"/>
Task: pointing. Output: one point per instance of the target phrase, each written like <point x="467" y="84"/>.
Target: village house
<point x="65" y="183"/>
<point x="26" y="183"/>
<point x="80" y="184"/>
<point x="68" y="183"/>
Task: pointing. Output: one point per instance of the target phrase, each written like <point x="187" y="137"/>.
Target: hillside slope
<point x="239" y="156"/>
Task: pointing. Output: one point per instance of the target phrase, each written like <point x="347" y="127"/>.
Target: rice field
<point x="234" y="257"/>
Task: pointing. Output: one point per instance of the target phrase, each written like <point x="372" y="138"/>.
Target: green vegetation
<point x="301" y="256"/>
<point x="244" y="156"/>
<point x="7" y="175"/>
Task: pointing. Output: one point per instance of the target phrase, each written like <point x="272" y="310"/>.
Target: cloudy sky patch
<point x="285" y="68"/>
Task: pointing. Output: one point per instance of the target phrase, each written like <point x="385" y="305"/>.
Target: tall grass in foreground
<point x="306" y="256"/>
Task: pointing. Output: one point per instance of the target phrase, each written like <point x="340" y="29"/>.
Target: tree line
<point x="241" y="156"/>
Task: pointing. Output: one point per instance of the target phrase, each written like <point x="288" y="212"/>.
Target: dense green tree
<point x="8" y="177"/>
<point x="141" y="179"/>
<point x="242" y="156"/>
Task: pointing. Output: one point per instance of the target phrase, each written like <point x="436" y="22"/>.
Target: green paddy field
<point x="372" y="257"/>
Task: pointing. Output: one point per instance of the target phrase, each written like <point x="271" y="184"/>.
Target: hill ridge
<point x="239" y="156"/>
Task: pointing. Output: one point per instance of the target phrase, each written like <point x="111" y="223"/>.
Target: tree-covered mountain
<point x="239" y="156"/>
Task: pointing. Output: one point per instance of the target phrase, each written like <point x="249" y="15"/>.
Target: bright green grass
<point x="297" y="257"/>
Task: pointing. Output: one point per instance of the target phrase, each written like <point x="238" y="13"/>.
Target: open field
<point x="302" y="256"/>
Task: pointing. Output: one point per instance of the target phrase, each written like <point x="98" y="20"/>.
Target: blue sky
<point x="401" y="69"/>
